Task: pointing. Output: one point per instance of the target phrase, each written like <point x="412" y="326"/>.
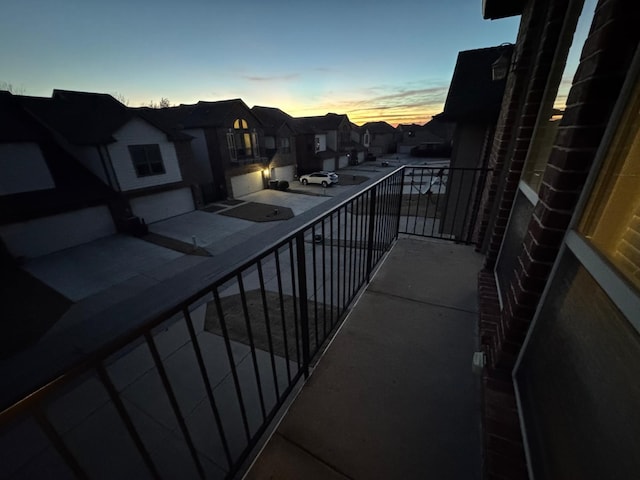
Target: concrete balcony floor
<point x="394" y="395"/>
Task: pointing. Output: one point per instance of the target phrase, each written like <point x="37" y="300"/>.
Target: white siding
<point x="163" y="205"/>
<point x="50" y="234"/>
<point x="139" y="132"/>
<point x="23" y="169"/>
<point x="343" y="161"/>
<point x="283" y="173"/>
<point x="246" y="184"/>
<point x="321" y="141"/>
<point x="200" y="155"/>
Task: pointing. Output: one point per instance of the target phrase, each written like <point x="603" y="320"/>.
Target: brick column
<point x="605" y="60"/>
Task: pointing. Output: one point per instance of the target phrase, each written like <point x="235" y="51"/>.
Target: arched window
<point x="241" y="141"/>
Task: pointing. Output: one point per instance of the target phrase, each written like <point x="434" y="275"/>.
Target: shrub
<point x="283" y="185"/>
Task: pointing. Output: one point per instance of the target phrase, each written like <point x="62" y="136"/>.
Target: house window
<point x="242" y="145"/>
<point x="366" y="139"/>
<point x="147" y="160"/>
<point x="284" y="145"/>
<point x="612" y="219"/>
<point x="554" y="102"/>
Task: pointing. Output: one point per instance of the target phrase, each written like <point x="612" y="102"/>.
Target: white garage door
<point x="57" y="232"/>
<point x="283" y="173"/>
<point x="329" y="165"/>
<point x="163" y="205"/>
<point x="343" y="161"/>
<point x="246" y="184"/>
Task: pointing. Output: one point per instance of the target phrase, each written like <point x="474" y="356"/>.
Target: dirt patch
<point x="280" y="336"/>
<point x="259" y="212"/>
<point x="231" y="202"/>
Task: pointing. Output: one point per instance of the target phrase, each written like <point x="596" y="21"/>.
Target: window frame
<point x="147" y="161"/>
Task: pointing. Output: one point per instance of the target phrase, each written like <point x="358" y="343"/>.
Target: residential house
<point x="382" y="138"/>
<point x="227" y="145"/>
<point x="433" y="139"/>
<point x="279" y="142"/>
<point x="141" y="161"/>
<point x="332" y="143"/>
<point x="48" y="200"/>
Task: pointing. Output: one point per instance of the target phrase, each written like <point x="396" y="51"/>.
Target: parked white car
<point x="321" y="178"/>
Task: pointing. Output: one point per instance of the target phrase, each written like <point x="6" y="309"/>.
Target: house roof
<point x="321" y="123"/>
<point x="214" y="114"/>
<point x="378" y="127"/>
<point x="272" y="118"/>
<point x="75" y="187"/>
<point x="441" y="128"/>
<point x="165" y="119"/>
<point x="82" y="118"/>
<point x="473" y="95"/>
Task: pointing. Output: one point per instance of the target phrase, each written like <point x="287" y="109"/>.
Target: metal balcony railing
<point x="190" y="392"/>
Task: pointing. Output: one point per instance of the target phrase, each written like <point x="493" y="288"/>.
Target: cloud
<point x="275" y="78"/>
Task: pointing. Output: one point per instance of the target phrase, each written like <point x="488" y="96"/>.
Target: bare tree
<point x="121" y="98"/>
<point x="9" y="87"/>
<point x="163" y="103"/>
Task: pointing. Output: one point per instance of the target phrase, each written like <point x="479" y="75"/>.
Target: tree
<point x="121" y="98"/>
<point x="163" y="103"/>
<point x="9" y="87"/>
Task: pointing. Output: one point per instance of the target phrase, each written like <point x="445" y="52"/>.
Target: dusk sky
<point x="389" y="61"/>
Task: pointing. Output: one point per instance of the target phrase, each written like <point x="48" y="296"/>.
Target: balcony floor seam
<point x="313" y="455"/>
<point x="413" y="300"/>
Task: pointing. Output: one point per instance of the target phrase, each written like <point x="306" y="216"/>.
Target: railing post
<point x="372" y="222"/>
<point x="399" y="212"/>
<point x="304" y="310"/>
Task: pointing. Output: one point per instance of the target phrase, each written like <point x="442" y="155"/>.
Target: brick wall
<point x="606" y="56"/>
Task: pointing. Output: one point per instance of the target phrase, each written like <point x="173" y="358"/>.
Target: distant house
<point x="279" y="142"/>
<point x="382" y="137"/>
<point x="473" y="103"/>
<point x="229" y="154"/>
<point x="133" y="156"/>
<point x="332" y="144"/>
<point x="48" y="200"/>
<point x="432" y="139"/>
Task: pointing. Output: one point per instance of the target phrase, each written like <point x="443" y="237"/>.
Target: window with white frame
<point x="241" y="141"/>
<point x="147" y="160"/>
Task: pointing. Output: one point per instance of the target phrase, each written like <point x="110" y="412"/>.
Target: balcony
<point x="343" y="348"/>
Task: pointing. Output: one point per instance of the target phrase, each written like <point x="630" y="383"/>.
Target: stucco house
<point x="146" y="164"/>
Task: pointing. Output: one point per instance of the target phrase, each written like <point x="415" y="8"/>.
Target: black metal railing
<point x="441" y="202"/>
<point x="189" y="393"/>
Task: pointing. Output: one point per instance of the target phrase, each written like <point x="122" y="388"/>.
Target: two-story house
<point x="146" y="164"/>
<point x="279" y="142"/>
<point x="332" y="143"/>
<point x="382" y="137"/>
<point x="48" y="200"/>
<point x="227" y="145"/>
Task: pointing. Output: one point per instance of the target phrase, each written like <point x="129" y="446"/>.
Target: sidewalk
<point x="394" y="395"/>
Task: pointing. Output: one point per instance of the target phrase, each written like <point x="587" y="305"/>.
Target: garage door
<point x="57" y="232"/>
<point x="343" y="161"/>
<point x="246" y="184"/>
<point x="283" y="173"/>
<point x="162" y="205"/>
<point x="329" y="165"/>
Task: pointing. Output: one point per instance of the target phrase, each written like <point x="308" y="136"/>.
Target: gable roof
<point x="473" y="94"/>
<point x="273" y="119"/>
<point x="75" y="187"/>
<point x="80" y="117"/>
<point x="321" y="123"/>
<point x="378" y="127"/>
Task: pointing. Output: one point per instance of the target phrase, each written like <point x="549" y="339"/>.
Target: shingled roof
<point x="273" y="118"/>
<point x="473" y="95"/>
<point x="378" y="127"/>
<point x="75" y="187"/>
<point x="321" y="123"/>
